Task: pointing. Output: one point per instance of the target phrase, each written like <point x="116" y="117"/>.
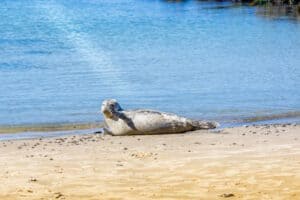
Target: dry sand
<point x="255" y="162"/>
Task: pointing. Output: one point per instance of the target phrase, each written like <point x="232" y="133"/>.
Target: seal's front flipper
<point x="106" y="131"/>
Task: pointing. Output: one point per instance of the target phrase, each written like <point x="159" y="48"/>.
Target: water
<point x="60" y="59"/>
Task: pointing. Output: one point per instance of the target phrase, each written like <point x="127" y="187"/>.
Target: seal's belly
<point x="155" y="123"/>
<point x="148" y="122"/>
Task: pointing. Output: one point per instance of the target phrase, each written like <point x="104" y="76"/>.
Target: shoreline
<point x="64" y="129"/>
<point x="51" y="127"/>
<point x="248" y="162"/>
<point x="288" y="117"/>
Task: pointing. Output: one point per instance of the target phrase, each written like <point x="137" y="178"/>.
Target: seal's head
<point x="110" y="108"/>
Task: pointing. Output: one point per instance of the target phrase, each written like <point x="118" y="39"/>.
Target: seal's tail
<point x="204" y="125"/>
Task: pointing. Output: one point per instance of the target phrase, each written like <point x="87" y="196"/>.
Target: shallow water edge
<point x="49" y="127"/>
<point x="15" y="132"/>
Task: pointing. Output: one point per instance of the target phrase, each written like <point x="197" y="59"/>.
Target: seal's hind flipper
<point x="204" y="125"/>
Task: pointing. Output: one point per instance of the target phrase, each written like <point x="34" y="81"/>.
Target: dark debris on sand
<point x="227" y="195"/>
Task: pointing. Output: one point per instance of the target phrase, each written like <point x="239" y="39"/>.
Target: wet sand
<point x="49" y="127"/>
<point x="255" y="162"/>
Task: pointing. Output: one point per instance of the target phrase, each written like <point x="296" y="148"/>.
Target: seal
<point x="146" y="122"/>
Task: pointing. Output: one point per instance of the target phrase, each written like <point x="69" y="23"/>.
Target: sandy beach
<point x="249" y="162"/>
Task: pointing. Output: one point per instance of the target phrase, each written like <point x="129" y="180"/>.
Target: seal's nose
<point x="103" y="107"/>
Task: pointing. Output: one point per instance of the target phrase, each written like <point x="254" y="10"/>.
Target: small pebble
<point x="33" y="179"/>
<point x="227" y="195"/>
<point x="58" y="195"/>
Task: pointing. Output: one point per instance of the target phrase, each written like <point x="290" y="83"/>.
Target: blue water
<point x="60" y="59"/>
